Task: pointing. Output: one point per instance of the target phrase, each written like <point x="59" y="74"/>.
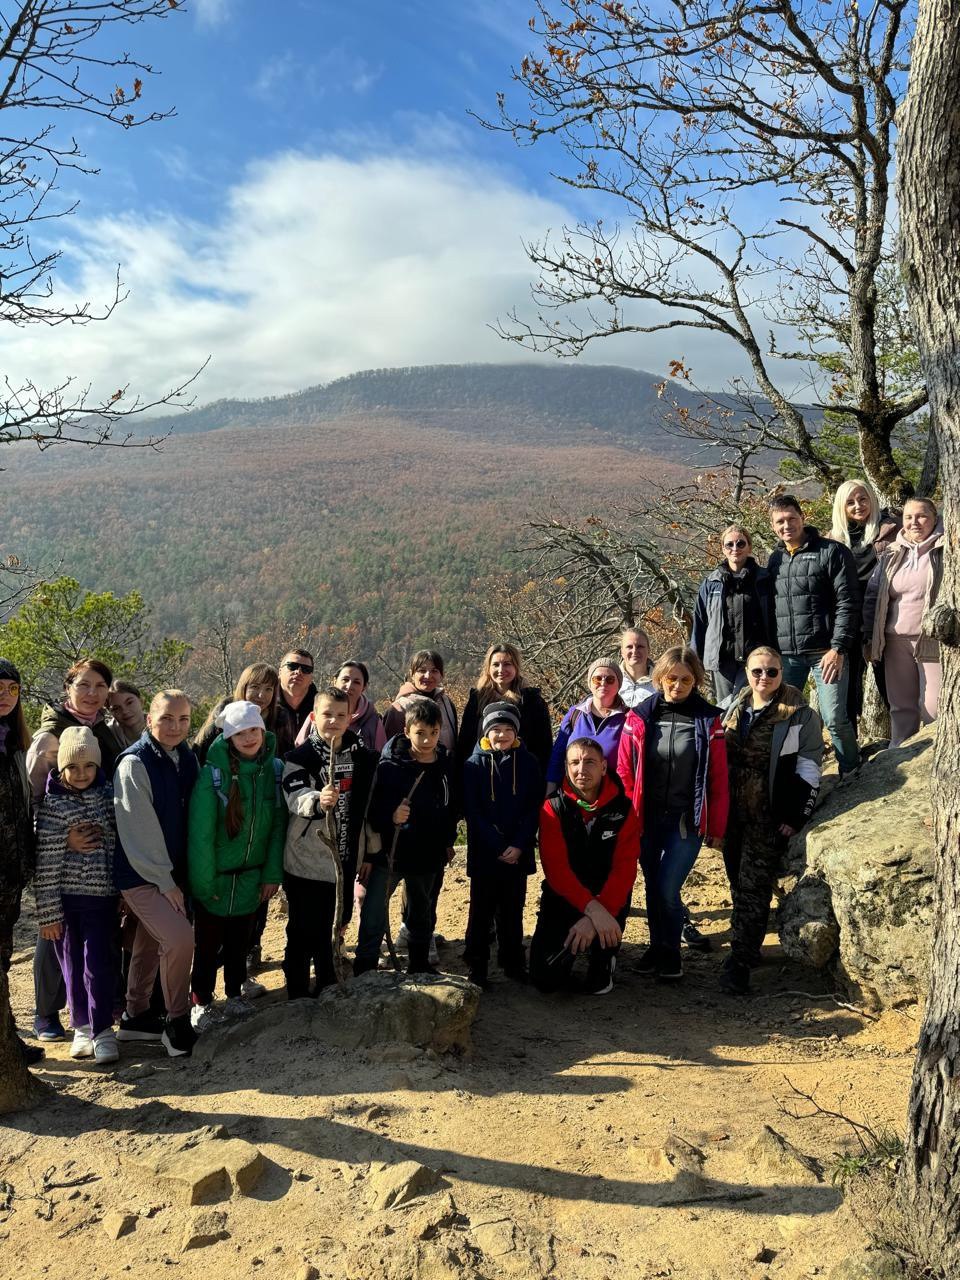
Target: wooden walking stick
<point x="332" y="836"/>
<point x="394" y="960"/>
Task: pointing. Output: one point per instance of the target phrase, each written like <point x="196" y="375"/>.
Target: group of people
<point x="155" y="856"/>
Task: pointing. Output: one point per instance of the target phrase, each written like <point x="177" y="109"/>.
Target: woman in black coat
<point x="501" y="680"/>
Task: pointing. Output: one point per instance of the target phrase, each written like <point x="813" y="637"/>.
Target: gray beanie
<point x="605" y="664"/>
<point x="501" y="713"/>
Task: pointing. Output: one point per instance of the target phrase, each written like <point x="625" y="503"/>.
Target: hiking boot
<point x="735" y="977"/>
<point x="670" y="968"/>
<point x="49" y="1029"/>
<point x="252" y="989"/>
<point x="105" y="1048"/>
<point x="648" y="966"/>
<point x="82" y="1046"/>
<point x="178" y="1037"/>
<point x="142" y="1026"/>
<point x="694" y="939"/>
<point x="599" y="979"/>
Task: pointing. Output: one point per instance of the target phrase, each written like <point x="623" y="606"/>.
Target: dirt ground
<point x="549" y="1137"/>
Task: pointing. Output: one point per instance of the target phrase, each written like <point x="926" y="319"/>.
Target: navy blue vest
<point x="171" y="788"/>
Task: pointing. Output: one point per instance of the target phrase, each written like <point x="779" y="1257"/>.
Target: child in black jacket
<point x="502" y="794"/>
<point x="412" y="810"/>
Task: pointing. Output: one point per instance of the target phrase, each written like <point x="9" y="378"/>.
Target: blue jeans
<point x="373" y="913"/>
<point x="666" y="858"/>
<point x="833" y="703"/>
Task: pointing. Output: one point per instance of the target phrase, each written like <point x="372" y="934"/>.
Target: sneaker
<point x="694" y="939"/>
<point x="237" y="1007"/>
<point x="649" y="963"/>
<point x="204" y="1016"/>
<point x="31" y="1053"/>
<point x="105" y="1047"/>
<point x="252" y="989"/>
<point x="433" y="955"/>
<point x="846" y="779"/>
<point x="49" y="1029"/>
<point x="142" y="1026"/>
<point x="402" y="940"/>
<point x="82" y="1046"/>
<point x="178" y="1037"/>
<point x="735" y="977"/>
<point x="670" y="968"/>
<point x="599" y="979"/>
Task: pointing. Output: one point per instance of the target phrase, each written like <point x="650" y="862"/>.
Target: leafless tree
<point x="748" y="144"/>
<point x="56" y="64"/>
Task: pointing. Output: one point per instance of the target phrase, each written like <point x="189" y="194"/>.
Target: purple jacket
<point x="580" y="722"/>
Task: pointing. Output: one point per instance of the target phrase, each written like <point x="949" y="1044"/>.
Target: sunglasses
<point x="604" y="680"/>
<point x="298" y="666"/>
<point x="757" y="672"/>
<point x="735" y="546"/>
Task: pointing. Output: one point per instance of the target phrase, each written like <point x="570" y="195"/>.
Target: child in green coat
<point x="238" y="822"/>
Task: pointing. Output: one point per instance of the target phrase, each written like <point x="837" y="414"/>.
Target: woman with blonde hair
<point x="672" y="761"/>
<point x="258" y="683"/>
<point x="868" y="530"/>
<point x="501" y="680"/>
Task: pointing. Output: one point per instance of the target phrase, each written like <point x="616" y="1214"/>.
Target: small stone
<point x="205" y="1228"/>
<point x="375" y="1112"/>
<point x="496" y="1238"/>
<point x="117" y="1224"/>
<point x="301" y="1175"/>
<point x="771" y="1151"/>
<point x="761" y="1253"/>
<point x="307" y="1272"/>
<point x="399" y="1081"/>
<point x="394" y="1185"/>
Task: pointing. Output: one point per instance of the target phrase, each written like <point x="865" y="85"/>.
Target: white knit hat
<point x="237" y="716"/>
<point x="77" y="745"/>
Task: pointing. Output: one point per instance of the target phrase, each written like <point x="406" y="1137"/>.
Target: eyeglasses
<point x="604" y="680"/>
<point x="11" y="690"/>
<point x="735" y="546"/>
<point x="298" y="666"/>
<point x="757" y="672"/>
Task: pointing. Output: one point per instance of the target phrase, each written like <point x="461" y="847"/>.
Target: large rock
<point x="375" y="1009"/>
<point x="210" y="1170"/>
<point x="862" y="885"/>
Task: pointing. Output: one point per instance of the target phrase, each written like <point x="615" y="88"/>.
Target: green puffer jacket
<point x="226" y="874"/>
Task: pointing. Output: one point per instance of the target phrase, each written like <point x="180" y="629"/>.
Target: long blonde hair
<point x="485" y="687"/>
<point x="840" y="530"/>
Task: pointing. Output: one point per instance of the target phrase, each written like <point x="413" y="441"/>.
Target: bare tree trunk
<point x="929" y="181"/>
<point x="875" y="720"/>
<point x="18" y="1089"/>
<point x="930" y="475"/>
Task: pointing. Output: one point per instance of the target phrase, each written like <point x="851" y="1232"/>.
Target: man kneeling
<point x="589" y="845"/>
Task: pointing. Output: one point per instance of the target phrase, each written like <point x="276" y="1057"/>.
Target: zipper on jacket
<point x="793" y="633"/>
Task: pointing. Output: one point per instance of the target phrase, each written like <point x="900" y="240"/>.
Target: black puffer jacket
<point x="816" y="596"/>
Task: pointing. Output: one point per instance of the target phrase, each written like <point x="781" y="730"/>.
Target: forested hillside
<point x="375" y="530"/>
<point x="528" y="401"/>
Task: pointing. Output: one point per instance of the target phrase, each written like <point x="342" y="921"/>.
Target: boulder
<point x="861" y="886"/>
<point x="875" y="1264"/>
<point x="388" y="1009"/>
<point x="393" y="1185"/>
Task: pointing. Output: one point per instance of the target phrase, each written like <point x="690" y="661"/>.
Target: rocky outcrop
<point x="861" y="885"/>
<point x="377" y="1009"/>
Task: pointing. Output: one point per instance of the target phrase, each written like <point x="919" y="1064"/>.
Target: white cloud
<point x="212" y="13"/>
<point x="317" y="266"/>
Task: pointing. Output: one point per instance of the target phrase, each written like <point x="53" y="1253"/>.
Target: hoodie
<point x="502" y="795"/>
<point x="902" y="590"/>
<point x="431" y="829"/>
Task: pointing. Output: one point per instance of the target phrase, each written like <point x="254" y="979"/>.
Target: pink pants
<point x="164" y="941"/>
<point x="913" y="687"/>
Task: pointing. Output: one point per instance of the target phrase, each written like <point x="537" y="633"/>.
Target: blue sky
<point x="322" y="202"/>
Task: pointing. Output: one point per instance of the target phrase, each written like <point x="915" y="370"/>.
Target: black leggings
<point x="216" y="939"/>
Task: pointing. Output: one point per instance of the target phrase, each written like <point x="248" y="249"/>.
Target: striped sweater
<point x="61" y="871"/>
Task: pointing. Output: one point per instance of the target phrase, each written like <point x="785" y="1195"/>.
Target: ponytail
<point x="234" y="814"/>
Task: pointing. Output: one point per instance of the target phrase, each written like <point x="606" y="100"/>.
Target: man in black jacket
<point x="816" y="605"/>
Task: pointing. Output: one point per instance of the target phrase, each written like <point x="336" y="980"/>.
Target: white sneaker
<point x="252" y="989"/>
<point x="433" y="955"/>
<point x="82" y="1046"/>
<point x="203" y="1016"/>
<point x="238" y="1007"/>
<point x="402" y="940"/>
<point x="105" y="1048"/>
